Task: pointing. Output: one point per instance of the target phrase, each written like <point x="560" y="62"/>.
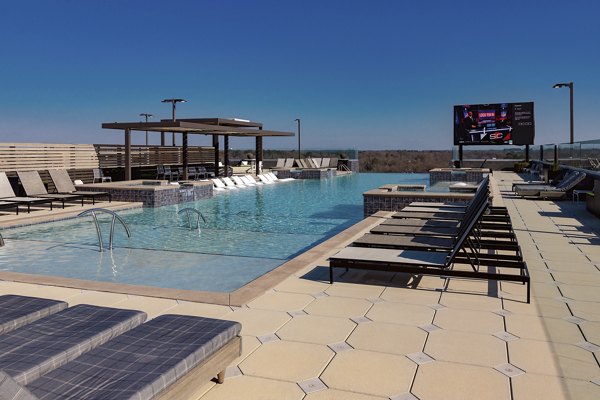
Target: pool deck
<point x="377" y="335"/>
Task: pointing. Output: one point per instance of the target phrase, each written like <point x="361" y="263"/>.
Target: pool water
<point x="248" y="232"/>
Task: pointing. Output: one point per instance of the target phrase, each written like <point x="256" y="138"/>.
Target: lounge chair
<point x="280" y="163"/>
<point x="64" y="185"/>
<point x="238" y="181"/>
<point x="289" y="163"/>
<point x="229" y="183"/>
<point x="325" y="162"/>
<point x="98" y="175"/>
<point x="437" y="263"/>
<point x="31" y="351"/>
<point x="551" y="192"/>
<point x="250" y="179"/>
<point x="275" y="178"/>
<point x="333" y="163"/>
<point x="7" y="195"/>
<point x="167" y="357"/>
<point x="218" y="184"/>
<point x="8" y="205"/>
<point x="264" y="179"/>
<point x="202" y="173"/>
<point x="17" y="311"/>
<point x="33" y="186"/>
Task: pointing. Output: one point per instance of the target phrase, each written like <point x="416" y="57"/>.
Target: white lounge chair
<point x="238" y="181"/>
<point x="218" y="184"/>
<point x="229" y="183"/>
<point x="251" y="179"/>
<point x="264" y="179"/>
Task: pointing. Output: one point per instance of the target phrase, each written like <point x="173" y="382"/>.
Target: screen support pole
<point x="526" y="153"/>
<point x="460" y="156"/>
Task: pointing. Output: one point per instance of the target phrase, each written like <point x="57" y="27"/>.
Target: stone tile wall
<point x="160" y="197"/>
<point x="373" y="202"/>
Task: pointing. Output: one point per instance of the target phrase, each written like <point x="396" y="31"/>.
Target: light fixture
<point x="570" y="86"/>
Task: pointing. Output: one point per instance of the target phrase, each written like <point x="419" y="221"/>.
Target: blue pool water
<point x="248" y="232"/>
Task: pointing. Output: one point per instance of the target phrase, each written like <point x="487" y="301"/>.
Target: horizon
<point x="380" y="76"/>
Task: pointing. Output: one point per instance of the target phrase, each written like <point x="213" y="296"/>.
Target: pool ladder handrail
<point x="188" y="210"/>
<point x="115" y="217"/>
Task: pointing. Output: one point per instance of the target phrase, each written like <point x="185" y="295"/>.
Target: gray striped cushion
<point x="37" y="348"/>
<point x="11" y="390"/>
<point x="140" y="363"/>
<point x="16" y="311"/>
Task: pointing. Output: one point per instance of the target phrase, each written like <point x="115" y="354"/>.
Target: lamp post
<point x="147" y="116"/>
<point x="570" y="86"/>
<point x="298" y="122"/>
<point x="174" y="106"/>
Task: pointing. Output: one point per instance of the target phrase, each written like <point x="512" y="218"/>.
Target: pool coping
<point x="238" y="297"/>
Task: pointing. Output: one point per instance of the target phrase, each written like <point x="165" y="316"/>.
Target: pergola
<point x="215" y="127"/>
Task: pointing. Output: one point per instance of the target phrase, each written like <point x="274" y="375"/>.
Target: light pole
<point x="570" y="86"/>
<point x="147" y="116"/>
<point x="173" y="103"/>
<point x="298" y="121"/>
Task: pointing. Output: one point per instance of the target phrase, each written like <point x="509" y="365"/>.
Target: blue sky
<point x="359" y="74"/>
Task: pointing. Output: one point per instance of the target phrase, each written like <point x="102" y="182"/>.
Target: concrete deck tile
<point x="316" y="329"/>
<point x="200" y="309"/>
<point x="542" y="307"/>
<point x="341" y="289"/>
<point x="304" y="286"/>
<point x="582" y="292"/>
<point x="575" y="278"/>
<point x="470" y="286"/>
<point x="546" y="329"/>
<point x="97" y="298"/>
<point x="567" y="266"/>
<point x="281" y="301"/>
<point x="591" y="330"/>
<point x="332" y="394"/>
<point x="568" y="257"/>
<point x="253" y="388"/>
<point x="471" y="302"/>
<point x="466" y="348"/>
<point x="287" y="361"/>
<point x="338" y="307"/>
<point x="562" y="360"/>
<point x="388" y="338"/>
<point x="370" y="373"/>
<point x="249" y="345"/>
<point x="34" y="290"/>
<point x="259" y="322"/>
<point x="449" y="381"/>
<point x="400" y="313"/>
<point x="152" y="306"/>
<point x="412" y="296"/>
<point x="586" y="310"/>
<point x="544" y="290"/>
<point x="469" y="320"/>
<point x="533" y="387"/>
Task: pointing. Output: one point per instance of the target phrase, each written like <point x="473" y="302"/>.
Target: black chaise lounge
<point x="552" y="192"/>
<point x="8" y="195"/>
<point x="64" y="185"/>
<point x="440" y="263"/>
<point x="169" y="357"/>
<point x="17" y="311"/>
<point x="34" y="186"/>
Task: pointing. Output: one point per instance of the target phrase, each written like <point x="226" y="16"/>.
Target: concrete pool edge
<point x="238" y="297"/>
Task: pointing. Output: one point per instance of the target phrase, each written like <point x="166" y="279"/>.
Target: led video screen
<point x="502" y="123"/>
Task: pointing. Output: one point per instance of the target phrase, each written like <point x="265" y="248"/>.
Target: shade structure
<point x="215" y="127"/>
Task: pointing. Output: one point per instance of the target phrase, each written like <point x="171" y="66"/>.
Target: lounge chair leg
<point x="331" y="275"/>
<point x="221" y="377"/>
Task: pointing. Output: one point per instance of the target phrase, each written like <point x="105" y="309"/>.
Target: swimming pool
<point x="248" y="232"/>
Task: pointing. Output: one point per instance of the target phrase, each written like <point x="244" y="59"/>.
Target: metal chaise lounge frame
<point x="34" y="186"/>
<point x="64" y="185"/>
<point x="531" y="184"/>
<point x="435" y="263"/>
<point x="548" y="191"/>
<point x="8" y="195"/>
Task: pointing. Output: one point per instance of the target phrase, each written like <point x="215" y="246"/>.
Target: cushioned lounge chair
<point x="218" y="184"/>
<point x="33" y="186"/>
<point x="170" y="356"/>
<point x="534" y="183"/>
<point x="551" y="192"/>
<point x="17" y="311"/>
<point x="64" y="185"/>
<point x="289" y="163"/>
<point x="29" y="352"/>
<point x="8" y="195"/>
<point x="229" y="183"/>
<point x="238" y="181"/>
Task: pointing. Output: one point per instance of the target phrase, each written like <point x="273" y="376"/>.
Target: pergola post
<point x="162" y="139"/>
<point x="184" y="149"/>
<point x="216" y="146"/>
<point x="259" y="153"/>
<point x="127" y="154"/>
<point x="226" y="154"/>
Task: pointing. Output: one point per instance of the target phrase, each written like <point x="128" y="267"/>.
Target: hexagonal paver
<point x="400" y="313"/>
<point x="533" y="327"/>
<point x="316" y="329"/>
<point x="533" y="387"/>
<point x="338" y="307"/>
<point x="450" y="381"/>
<point x="466" y="347"/>
<point x="253" y="388"/>
<point x="288" y="361"/>
<point x="388" y="338"/>
<point x="281" y="301"/>
<point x="332" y="394"/>
<point x="353" y="290"/>
<point x="411" y="296"/>
<point x="259" y="322"/>
<point x="469" y="320"/>
<point x="305" y="286"/>
<point x="369" y="373"/>
<point x="471" y="301"/>
<point x="555" y="359"/>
